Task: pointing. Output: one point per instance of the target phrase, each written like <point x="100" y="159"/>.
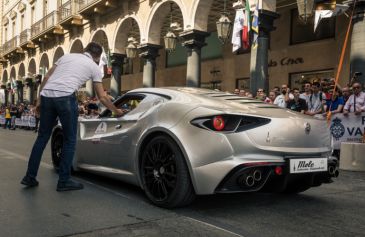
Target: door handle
<point x="119" y="126"/>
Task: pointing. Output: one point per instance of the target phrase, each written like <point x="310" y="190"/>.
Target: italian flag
<point x="246" y="27"/>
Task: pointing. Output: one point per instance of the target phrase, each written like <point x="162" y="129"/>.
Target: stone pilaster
<point x="194" y="40"/>
<point x="149" y="52"/>
<point x="259" y="55"/>
<point x="117" y="70"/>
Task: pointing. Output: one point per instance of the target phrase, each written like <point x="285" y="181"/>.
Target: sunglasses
<point x="260" y="91"/>
<point x="356" y="87"/>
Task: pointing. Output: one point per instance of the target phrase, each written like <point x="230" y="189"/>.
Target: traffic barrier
<point x="25" y="121"/>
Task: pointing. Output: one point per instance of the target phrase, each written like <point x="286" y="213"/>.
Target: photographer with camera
<point x="283" y="99"/>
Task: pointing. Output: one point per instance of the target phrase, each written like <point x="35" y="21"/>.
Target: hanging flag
<point x="320" y="14"/>
<point x="246" y="26"/>
<point x="255" y="25"/>
<point x="237" y="27"/>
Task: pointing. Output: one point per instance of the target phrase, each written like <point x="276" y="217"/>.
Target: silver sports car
<point x="176" y="143"/>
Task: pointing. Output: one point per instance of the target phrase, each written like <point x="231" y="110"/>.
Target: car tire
<point x="164" y="174"/>
<point x="56" y="148"/>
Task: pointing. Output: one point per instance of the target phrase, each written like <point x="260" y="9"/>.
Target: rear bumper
<point x="263" y="176"/>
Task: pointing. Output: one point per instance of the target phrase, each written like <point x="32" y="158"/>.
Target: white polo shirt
<point x="72" y="71"/>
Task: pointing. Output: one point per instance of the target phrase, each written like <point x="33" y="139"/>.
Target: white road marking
<point x="214" y="226"/>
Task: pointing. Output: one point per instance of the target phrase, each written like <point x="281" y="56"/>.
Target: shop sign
<point x="286" y="61"/>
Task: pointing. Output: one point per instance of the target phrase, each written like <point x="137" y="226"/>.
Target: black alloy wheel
<point x="56" y="147"/>
<point x="165" y="176"/>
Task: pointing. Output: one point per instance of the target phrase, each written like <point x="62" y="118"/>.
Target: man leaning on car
<point x="58" y="99"/>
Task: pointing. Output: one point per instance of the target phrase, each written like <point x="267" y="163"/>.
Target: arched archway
<point x="77" y="47"/>
<point x="13" y="73"/>
<point x="58" y="53"/>
<point x="159" y="19"/>
<point x="101" y="38"/>
<point x="32" y="67"/>
<point x="21" y="71"/>
<point x="44" y="64"/>
<point x="5" y="77"/>
<point x="129" y="27"/>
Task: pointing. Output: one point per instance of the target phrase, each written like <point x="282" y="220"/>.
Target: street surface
<point x="112" y="208"/>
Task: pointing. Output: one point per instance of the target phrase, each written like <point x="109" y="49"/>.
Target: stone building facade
<point x="36" y="33"/>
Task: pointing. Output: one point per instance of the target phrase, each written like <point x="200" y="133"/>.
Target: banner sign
<point x="24" y="121"/>
<point x="348" y="128"/>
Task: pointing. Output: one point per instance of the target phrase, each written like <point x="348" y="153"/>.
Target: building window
<point x="32" y="15"/>
<point x="243" y="83"/>
<point x="298" y="79"/>
<point x="301" y="33"/>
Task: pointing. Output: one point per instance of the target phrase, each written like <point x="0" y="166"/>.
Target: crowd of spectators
<point x="315" y="99"/>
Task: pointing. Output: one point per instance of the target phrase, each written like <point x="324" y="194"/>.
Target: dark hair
<point x="94" y="49"/>
<point x="317" y="84"/>
<point x="296" y="89"/>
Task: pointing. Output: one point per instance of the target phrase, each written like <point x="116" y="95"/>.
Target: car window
<point x="126" y="102"/>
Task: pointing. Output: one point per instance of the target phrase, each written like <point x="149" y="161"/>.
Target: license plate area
<point x="307" y="165"/>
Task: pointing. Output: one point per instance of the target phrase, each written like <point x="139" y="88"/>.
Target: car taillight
<point x="218" y="123"/>
<point x="229" y="123"/>
<point x="278" y="170"/>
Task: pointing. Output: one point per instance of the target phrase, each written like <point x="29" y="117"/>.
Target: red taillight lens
<point x="278" y="170"/>
<point x="218" y="123"/>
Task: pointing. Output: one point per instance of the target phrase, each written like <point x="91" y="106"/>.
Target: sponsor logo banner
<point x="349" y="128"/>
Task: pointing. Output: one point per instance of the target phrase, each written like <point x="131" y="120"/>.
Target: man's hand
<point x="119" y="113"/>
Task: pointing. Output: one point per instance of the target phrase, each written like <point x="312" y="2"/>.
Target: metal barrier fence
<point x="24" y="121"/>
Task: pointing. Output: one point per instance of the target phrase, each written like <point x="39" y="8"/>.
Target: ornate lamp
<point x="170" y="38"/>
<point x="224" y="25"/>
<point x="305" y="9"/>
<point x="131" y="50"/>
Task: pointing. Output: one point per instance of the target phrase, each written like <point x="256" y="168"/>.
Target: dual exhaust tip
<point x="250" y="179"/>
<point x="333" y="171"/>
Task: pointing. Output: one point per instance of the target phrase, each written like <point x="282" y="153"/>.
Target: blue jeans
<point x="66" y="109"/>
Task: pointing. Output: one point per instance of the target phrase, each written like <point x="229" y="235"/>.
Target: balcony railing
<point x="10" y="45"/>
<point x="85" y="3"/>
<point x="68" y="9"/>
<point x="24" y="36"/>
<point x="44" y="24"/>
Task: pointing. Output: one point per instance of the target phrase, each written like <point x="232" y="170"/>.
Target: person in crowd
<point x="271" y="98"/>
<point x="356" y="102"/>
<point x="276" y="89"/>
<point x="13" y="113"/>
<point x="307" y="92"/>
<point x="236" y="91"/>
<point x="336" y="102"/>
<point x="346" y="93"/>
<point x="58" y="99"/>
<point x="282" y="99"/>
<point x="242" y="93"/>
<point x="260" y="95"/>
<point x="297" y="104"/>
<point x="7" y="118"/>
<point x="316" y="101"/>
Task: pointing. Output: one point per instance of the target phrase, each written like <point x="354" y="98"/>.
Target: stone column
<point x="194" y="40"/>
<point x="117" y="70"/>
<point x="30" y="92"/>
<point x="357" y="56"/>
<point x="149" y="52"/>
<point x="259" y="55"/>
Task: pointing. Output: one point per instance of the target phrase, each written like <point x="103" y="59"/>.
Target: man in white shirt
<point x="356" y="102"/>
<point x="282" y="99"/>
<point x="58" y="99"/>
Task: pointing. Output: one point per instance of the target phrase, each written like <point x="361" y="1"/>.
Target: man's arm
<point x="104" y="99"/>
